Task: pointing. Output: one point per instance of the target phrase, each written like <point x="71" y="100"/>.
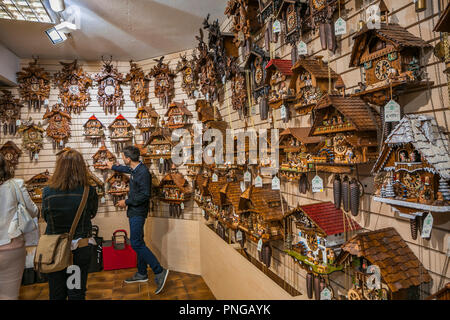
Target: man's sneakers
<point x="160" y="280"/>
<point x="137" y="277"/>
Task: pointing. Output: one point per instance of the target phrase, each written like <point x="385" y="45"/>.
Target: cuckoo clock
<point x="36" y="185"/>
<point x="139" y="87"/>
<point x="311" y="79"/>
<point x="178" y="116"/>
<point x="11" y="152"/>
<point x="414" y="169"/>
<point x="290" y="13"/>
<point x="160" y="144"/>
<point x="34" y="85"/>
<point x="58" y="128"/>
<point x="239" y="94"/>
<point x="118" y="186"/>
<point x="244" y="20"/>
<point x="101" y="157"/>
<point x="164" y="82"/>
<point x="147" y="120"/>
<point x="189" y="82"/>
<point x="145" y="155"/>
<point x="73" y="84"/>
<point x="98" y="184"/>
<point x="175" y="190"/>
<point x="110" y="94"/>
<point x="278" y="75"/>
<point x="32" y="138"/>
<point x="9" y="113"/>
<point x="121" y="132"/>
<point x="209" y="115"/>
<point x="94" y="129"/>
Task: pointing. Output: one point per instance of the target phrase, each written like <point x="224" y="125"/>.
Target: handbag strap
<point x="79" y="211"/>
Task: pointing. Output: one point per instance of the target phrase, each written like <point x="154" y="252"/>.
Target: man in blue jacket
<point x="137" y="211"/>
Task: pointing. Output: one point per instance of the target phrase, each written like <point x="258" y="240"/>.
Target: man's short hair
<point x="131" y="152"/>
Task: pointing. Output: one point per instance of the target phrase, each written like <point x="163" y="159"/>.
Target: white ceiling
<point x="125" y="29"/>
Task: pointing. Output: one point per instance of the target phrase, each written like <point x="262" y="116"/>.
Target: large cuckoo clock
<point x="243" y="15"/>
<point x="290" y="13"/>
<point x="34" y="85"/>
<point x="189" y="82"/>
<point x="9" y="113"/>
<point x="11" y="152"/>
<point x="94" y="130"/>
<point x="139" y="87"/>
<point x="32" y="138"/>
<point x="58" y="128"/>
<point x="178" y="116"/>
<point x="121" y="132"/>
<point x="164" y="82"/>
<point x="73" y="84"/>
<point x="110" y="94"/>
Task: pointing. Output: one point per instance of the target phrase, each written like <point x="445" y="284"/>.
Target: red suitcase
<point x="118" y="255"/>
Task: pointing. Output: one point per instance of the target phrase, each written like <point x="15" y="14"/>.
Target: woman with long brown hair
<point x="12" y="251"/>
<point x="60" y="202"/>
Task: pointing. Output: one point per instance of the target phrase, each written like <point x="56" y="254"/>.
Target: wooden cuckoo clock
<point x="121" y="132"/>
<point x="9" y="113"/>
<point x="147" y="120"/>
<point x="160" y="144"/>
<point x="110" y="94"/>
<point x="36" y="185"/>
<point x="175" y="191"/>
<point x="164" y="82"/>
<point x="243" y="15"/>
<point x="58" y="128"/>
<point x="138" y="85"/>
<point x="189" y="82"/>
<point x="98" y="184"/>
<point x="73" y="84"/>
<point x="278" y="75"/>
<point x="11" y="152"/>
<point x="94" y="129"/>
<point x="101" y="157"/>
<point x="178" y="116"/>
<point x="32" y="138"/>
<point x="118" y="186"/>
<point x="34" y="85"/>
<point x="239" y="94"/>
<point x="291" y="13"/>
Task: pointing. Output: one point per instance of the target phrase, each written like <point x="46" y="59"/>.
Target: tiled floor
<point x="109" y="285"/>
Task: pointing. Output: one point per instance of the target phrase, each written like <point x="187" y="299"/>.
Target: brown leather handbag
<point x="53" y="252"/>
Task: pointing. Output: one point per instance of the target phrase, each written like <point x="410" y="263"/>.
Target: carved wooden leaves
<point x="206" y="71"/>
<point x="239" y="93"/>
<point x="58" y="125"/>
<point x="34" y="85"/>
<point x="164" y="82"/>
<point x="73" y="84"/>
<point x="189" y="82"/>
<point x="138" y="85"/>
<point x="9" y="112"/>
<point x="32" y="137"/>
<point x="110" y="94"/>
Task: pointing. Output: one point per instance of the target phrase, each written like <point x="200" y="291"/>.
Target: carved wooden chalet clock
<point x="147" y="120"/>
<point x="164" y="82"/>
<point x="73" y="84"/>
<point x="139" y="87"/>
<point x="34" y="85"/>
<point x="290" y="13"/>
<point x="118" y="186"/>
<point x="101" y="157"/>
<point x="178" y="116"/>
<point x="32" y="138"/>
<point x="58" y="128"/>
<point x="121" y="132"/>
<point x="9" y="113"/>
<point x="189" y="81"/>
<point x="94" y="129"/>
<point x="239" y="94"/>
<point x="11" y="152"/>
<point x="110" y="94"/>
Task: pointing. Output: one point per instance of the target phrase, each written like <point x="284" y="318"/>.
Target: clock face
<point x="109" y="90"/>
<point x="73" y="89"/>
<point x="32" y="135"/>
<point x="382" y="69"/>
<point x="318" y="4"/>
<point x="412" y="180"/>
<point x="9" y="156"/>
<point x="188" y="75"/>
<point x="258" y="75"/>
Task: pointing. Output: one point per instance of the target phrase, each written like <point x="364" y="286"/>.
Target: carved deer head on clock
<point x="164" y="82"/>
<point x="110" y="94"/>
<point x="9" y="113"/>
<point x="138" y="85"/>
<point x="189" y="82"/>
<point x="34" y="85"/>
<point x="73" y="84"/>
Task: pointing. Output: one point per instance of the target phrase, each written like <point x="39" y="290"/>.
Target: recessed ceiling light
<point x="55" y="35"/>
<point x="28" y="10"/>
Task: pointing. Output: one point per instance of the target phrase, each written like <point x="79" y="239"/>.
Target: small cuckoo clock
<point x="36" y="185"/>
<point x="73" y="84"/>
<point x="164" y="82"/>
<point x="290" y="12"/>
<point x="147" y="120"/>
<point x="32" y="138"/>
<point x="243" y="15"/>
<point x="118" y="186"/>
<point x="9" y="113"/>
<point x="175" y="191"/>
<point x="34" y="85"/>
<point x="94" y="129"/>
<point x="159" y="145"/>
<point x="139" y="87"/>
<point x="58" y="125"/>
<point x="178" y="116"/>
<point x="101" y="157"/>
<point x="110" y="94"/>
<point x="98" y="184"/>
<point x="121" y="132"/>
<point x="11" y="152"/>
<point x="278" y="75"/>
<point x="189" y="82"/>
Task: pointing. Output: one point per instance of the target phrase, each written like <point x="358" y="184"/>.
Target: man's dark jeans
<point x="57" y="281"/>
<point x="144" y="255"/>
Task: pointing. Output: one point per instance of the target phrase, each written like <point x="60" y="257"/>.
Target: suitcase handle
<point x="125" y="236"/>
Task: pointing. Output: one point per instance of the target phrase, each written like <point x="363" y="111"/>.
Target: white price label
<point x="209" y="153"/>
<point x="302" y="48"/>
<point x="392" y="111"/>
<point x="275" y="183"/>
<point x="325" y="294"/>
<point x="18" y="122"/>
<point x="242" y="186"/>
<point x="427" y="226"/>
<point x="260" y="243"/>
<point x="239" y="235"/>
<point x="258" y="182"/>
<point x="36" y="156"/>
<point x="203" y="212"/>
<point x="224" y="79"/>
<point x="340" y="27"/>
<point x="283" y="112"/>
<point x="46" y="102"/>
<point x="196" y="94"/>
<point x="161" y="161"/>
<point x="182" y="206"/>
<point x="103" y="200"/>
<point x="215" y="178"/>
<point x="276" y="27"/>
<point x="247" y="176"/>
<point x="317" y="184"/>
<point x="59" y="100"/>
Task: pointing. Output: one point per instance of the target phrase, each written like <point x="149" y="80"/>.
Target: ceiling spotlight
<point x="55" y="36"/>
<point x="57" y="5"/>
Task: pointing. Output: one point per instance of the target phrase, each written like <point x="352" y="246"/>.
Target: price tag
<point x="209" y="153"/>
<point x="302" y="48"/>
<point x="275" y="183"/>
<point x="258" y="182"/>
<point x="59" y="100"/>
<point x="276" y="27"/>
<point x="182" y="206"/>
<point x="46" y="102"/>
<point x="392" y="111"/>
<point x="239" y="235"/>
<point x="36" y="156"/>
<point x="215" y="178"/>
<point x="242" y="186"/>
<point x="317" y="184"/>
<point x="427" y="226"/>
<point x="207" y="96"/>
<point x="196" y="94"/>
<point x="325" y="294"/>
<point x="260" y="243"/>
<point x="161" y="161"/>
<point x="18" y="122"/>
<point x="283" y="112"/>
<point x="247" y="176"/>
<point x="103" y="200"/>
<point x="340" y="27"/>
